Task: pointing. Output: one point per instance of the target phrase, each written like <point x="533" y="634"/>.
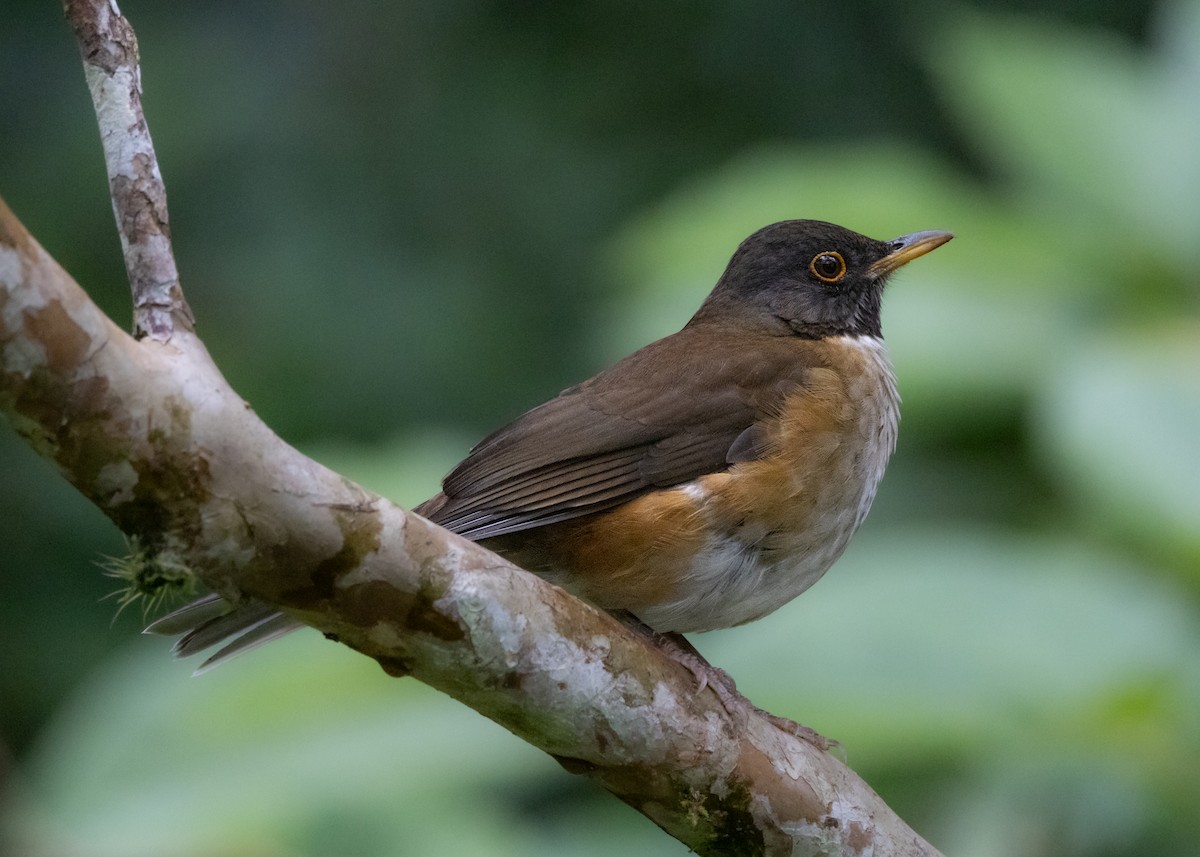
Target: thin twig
<point x="109" y="51"/>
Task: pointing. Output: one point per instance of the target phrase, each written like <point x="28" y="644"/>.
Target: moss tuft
<point x="152" y="576"/>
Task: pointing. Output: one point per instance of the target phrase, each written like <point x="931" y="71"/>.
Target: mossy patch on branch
<point x="150" y="575"/>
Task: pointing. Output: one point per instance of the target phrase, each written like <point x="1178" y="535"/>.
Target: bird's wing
<point x="664" y="416"/>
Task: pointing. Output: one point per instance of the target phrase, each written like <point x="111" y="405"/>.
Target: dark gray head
<point x="810" y="278"/>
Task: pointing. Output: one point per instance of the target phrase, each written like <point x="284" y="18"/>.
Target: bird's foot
<point x="676" y="647"/>
<point x="733" y="700"/>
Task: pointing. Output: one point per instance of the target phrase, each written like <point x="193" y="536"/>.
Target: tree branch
<point x="151" y="433"/>
<point x="109" y="50"/>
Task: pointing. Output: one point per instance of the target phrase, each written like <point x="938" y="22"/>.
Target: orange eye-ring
<point x="828" y="266"/>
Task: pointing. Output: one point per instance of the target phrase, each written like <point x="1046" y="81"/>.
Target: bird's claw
<point x="732" y="700"/>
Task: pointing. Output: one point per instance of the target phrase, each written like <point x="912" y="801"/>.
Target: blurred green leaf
<point x="1105" y="135"/>
<point x="1119" y="422"/>
<point x="273" y="749"/>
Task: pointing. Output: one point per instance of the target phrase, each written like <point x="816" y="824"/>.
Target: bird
<point x="700" y="483"/>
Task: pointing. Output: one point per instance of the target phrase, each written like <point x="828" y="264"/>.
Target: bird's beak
<point x="906" y="248"/>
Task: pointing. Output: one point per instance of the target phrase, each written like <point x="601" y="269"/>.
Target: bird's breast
<point x="733" y="546"/>
<point x="776" y="524"/>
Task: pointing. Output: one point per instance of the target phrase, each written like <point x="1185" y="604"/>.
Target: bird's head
<point x="811" y="278"/>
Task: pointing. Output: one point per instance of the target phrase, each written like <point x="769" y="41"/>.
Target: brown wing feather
<point x="666" y="415"/>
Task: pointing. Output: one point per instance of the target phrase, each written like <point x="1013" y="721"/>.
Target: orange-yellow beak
<point x="908" y="247"/>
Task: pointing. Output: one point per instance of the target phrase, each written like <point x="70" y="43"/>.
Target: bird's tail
<point x="212" y="620"/>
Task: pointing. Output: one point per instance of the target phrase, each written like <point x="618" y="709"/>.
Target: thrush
<point x="705" y="480"/>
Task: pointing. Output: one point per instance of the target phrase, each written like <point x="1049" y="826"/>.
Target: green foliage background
<point x="402" y="224"/>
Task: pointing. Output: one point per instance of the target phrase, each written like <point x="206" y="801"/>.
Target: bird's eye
<point x="828" y="266"/>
